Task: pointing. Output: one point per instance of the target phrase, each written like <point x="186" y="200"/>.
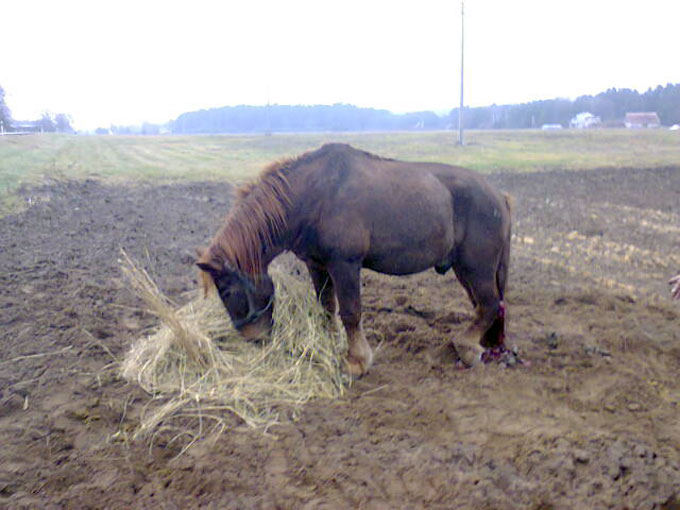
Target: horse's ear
<point x="206" y="267"/>
<point x="208" y="273"/>
<point x="209" y="270"/>
<point x="206" y="263"/>
<point x="207" y="280"/>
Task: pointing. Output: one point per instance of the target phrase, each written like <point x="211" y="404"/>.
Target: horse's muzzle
<point x="259" y="329"/>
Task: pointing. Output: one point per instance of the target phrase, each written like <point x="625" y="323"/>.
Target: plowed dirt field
<point x="591" y="422"/>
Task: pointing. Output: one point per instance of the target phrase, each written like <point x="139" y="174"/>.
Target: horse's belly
<point x="408" y="262"/>
<point x="396" y="223"/>
<point x="411" y="245"/>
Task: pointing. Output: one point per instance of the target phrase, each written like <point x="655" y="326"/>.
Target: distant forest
<point x="281" y="118"/>
<point x="611" y="106"/>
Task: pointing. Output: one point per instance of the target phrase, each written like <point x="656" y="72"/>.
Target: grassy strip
<point x="31" y="159"/>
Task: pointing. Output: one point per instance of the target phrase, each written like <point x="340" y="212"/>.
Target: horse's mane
<point x="260" y="212"/>
<point x="257" y="218"/>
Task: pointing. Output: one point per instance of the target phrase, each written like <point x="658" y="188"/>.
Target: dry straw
<point x="198" y="367"/>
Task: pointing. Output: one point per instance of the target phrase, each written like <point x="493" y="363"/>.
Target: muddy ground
<point x="592" y="422"/>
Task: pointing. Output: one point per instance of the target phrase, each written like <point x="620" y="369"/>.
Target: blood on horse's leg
<point x="494" y="336"/>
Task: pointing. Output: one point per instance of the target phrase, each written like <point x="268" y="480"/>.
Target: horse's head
<point x="249" y="302"/>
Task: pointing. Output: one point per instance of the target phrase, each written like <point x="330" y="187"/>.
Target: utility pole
<point x="268" y="126"/>
<point x="268" y="120"/>
<point x="462" y="54"/>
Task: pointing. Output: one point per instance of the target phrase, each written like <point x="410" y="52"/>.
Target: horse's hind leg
<point x="347" y="283"/>
<point x="479" y="281"/>
<point x="495" y="334"/>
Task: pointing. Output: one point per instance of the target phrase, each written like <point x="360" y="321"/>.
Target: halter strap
<point x="253" y="315"/>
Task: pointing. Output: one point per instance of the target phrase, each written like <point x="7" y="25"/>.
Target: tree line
<point x="611" y="106"/>
<point x="5" y="114"/>
<point x="300" y="118"/>
<point x="47" y="123"/>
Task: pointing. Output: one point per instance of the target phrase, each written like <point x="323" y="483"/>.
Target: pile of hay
<point x="197" y="366"/>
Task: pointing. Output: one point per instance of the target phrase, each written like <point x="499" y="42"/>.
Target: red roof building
<point x="641" y="120"/>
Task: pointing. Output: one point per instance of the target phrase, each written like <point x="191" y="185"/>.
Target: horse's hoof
<point x="355" y="369"/>
<point x="470" y="357"/>
<point x="354" y="372"/>
<point x="502" y="356"/>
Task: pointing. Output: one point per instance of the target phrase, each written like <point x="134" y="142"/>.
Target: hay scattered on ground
<point x="197" y="366"/>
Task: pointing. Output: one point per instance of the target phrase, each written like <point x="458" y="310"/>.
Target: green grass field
<point x="33" y="158"/>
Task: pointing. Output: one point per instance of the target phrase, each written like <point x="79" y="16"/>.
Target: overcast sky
<point x="123" y="62"/>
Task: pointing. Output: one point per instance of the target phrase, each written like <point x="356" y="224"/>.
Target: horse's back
<point x="399" y="220"/>
<point x="397" y="217"/>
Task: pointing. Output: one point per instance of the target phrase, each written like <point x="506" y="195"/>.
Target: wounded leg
<point x="488" y="329"/>
<point x="494" y="339"/>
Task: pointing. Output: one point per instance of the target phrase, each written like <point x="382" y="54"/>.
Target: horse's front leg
<point x="325" y="293"/>
<point x="347" y="282"/>
<point x="323" y="285"/>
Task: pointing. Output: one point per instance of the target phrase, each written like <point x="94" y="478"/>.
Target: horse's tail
<point x="504" y="261"/>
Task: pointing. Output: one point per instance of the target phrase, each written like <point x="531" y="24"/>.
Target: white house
<point x="585" y="120"/>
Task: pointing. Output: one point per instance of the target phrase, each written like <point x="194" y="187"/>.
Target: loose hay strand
<point x="196" y="364"/>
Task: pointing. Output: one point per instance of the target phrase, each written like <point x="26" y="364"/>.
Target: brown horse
<point x="339" y="209"/>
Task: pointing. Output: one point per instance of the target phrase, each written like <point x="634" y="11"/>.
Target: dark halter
<point x="253" y="314"/>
